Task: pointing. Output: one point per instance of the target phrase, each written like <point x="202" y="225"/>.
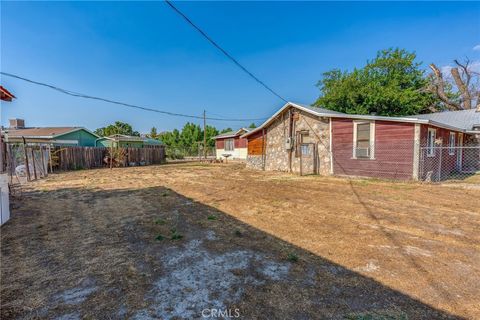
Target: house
<point x="6" y="95"/>
<point x="54" y="136"/>
<point x="125" y="141"/>
<point x="231" y="144"/>
<point x="310" y="140"/>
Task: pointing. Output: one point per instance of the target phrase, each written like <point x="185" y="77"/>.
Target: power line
<point x="229" y="56"/>
<point x="85" y="96"/>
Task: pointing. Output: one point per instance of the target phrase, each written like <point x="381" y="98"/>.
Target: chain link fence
<point x="402" y="161"/>
<point x="189" y="152"/>
<point x="448" y="163"/>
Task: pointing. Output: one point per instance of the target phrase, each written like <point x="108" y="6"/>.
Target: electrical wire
<point x="228" y="55"/>
<point x="85" y="96"/>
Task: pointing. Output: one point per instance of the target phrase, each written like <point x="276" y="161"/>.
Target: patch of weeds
<point x="212" y="217"/>
<point x="164" y="194"/>
<point x="160" y="221"/>
<point x="175" y="235"/>
<point x="159" y="237"/>
<point x="238" y="233"/>
<point x="292" y="257"/>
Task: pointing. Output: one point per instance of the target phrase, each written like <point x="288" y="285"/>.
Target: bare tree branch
<point x="462" y="87"/>
<point x="440" y="89"/>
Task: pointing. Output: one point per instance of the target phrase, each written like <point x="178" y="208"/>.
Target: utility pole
<point x="204" y="135"/>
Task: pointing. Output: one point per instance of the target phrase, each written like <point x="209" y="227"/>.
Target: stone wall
<point x="318" y="133"/>
<point x="254" y="162"/>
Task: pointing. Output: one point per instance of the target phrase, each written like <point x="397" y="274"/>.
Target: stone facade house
<point x="307" y="140"/>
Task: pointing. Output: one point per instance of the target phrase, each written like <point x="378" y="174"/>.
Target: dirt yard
<point x="192" y="240"/>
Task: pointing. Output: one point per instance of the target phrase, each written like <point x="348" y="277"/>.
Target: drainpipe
<point x="290" y="134"/>
<point x="263" y="149"/>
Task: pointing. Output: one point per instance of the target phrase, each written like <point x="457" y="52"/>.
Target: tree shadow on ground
<point x="155" y="254"/>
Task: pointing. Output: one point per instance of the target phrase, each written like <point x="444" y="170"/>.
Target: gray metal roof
<point x="319" y="110"/>
<point x="225" y="134"/>
<point x="464" y="119"/>
<point x="231" y="134"/>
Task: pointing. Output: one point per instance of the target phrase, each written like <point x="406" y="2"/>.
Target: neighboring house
<point x="309" y="140"/>
<point x="6" y="95"/>
<point x="54" y="136"/>
<point x="124" y="141"/>
<point x="231" y="144"/>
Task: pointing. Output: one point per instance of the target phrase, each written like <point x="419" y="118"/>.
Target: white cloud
<point x="473" y="66"/>
<point x="476" y="48"/>
<point x="446" y="70"/>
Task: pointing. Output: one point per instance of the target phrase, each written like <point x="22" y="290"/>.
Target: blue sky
<point x="143" y="53"/>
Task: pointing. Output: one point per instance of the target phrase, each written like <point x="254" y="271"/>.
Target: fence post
<point x="26" y="159"/>
<point x="440" y="166"/>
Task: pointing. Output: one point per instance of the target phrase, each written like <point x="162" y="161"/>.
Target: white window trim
<point x="451" y="148"/>
<point x="431" y="149"/>
<point x="225" y="144"/>
<point x="372" y="138"/>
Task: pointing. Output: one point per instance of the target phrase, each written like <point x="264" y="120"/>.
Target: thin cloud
<point x="473" y="66"/>
<point x="476" y="48"/>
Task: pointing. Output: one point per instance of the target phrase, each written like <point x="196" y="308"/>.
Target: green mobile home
<point x="124" y="141"/>
<point x="54" y="136"/>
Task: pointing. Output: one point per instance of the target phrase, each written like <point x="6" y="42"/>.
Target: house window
<point x="432" y="133"/>
<point x="363" y="140"/>
<point x="451" y="144"/>
<point x="306" y="150"/>
<point x="229" y="144"/>
<point x="302" y="137"/>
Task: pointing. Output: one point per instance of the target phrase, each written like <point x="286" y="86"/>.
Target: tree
<point x="465" y="80"/>
<point x="392" y="84"/>
<point x="211" y="132"/>
<point x="190" y="135"/>
<point x="226" y="130"/>
<point x="252" y="125"/>
<point x="153" y="133"/>
<point x="117" y="128"/>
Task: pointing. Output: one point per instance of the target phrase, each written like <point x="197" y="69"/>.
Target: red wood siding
<point x="394" y="143"/>
<point x="255" y="144"/>
<point x="238" y="143"/>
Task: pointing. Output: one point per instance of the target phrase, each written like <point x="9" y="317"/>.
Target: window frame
<point x="431" y="151"/>
<point x="371" y="139"/>
<point x="226" y="142"/>
<point x="452" y="143"/>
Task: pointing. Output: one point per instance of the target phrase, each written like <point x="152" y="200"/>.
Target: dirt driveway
<point x="193" y="240"/>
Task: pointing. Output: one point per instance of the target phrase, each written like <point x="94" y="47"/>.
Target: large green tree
<point x="392" y="84"/>
<point x="189" y="139"/>
<point x="117" y="128"/>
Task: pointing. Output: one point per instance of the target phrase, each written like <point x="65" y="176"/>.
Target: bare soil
<point x="170" y="241"/>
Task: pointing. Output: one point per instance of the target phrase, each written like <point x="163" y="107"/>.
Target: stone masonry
<point x="276" y="158"/>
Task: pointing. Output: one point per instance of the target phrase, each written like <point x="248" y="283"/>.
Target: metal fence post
<point x="440" y="166"/>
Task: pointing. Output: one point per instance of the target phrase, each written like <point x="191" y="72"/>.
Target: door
<point x="308" y="159"/>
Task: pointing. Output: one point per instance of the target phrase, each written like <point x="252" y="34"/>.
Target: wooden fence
<point x="31" y="162"/>
<point x="75" y="158"/>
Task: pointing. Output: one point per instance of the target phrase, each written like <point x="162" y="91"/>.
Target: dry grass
<point x="86" y="244"/>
